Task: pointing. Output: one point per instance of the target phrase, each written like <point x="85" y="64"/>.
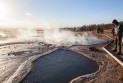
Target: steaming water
<point x="56" y="37"/>
<point x="14" y="68"/>
<point x="69" y="38"/>
<point x="60" y="66"/>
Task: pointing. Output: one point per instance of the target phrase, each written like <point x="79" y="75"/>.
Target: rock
<point x="92" y="49"/>
<point x="93" y="55"/>
<point x="101" y="63"/>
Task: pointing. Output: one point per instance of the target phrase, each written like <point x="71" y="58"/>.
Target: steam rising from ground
<point x="57" y="37"/>
<point x="26" y="34"/>
<point x="2" y="34"/>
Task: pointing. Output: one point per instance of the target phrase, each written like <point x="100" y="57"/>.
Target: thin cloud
<point x="28" y="14"/>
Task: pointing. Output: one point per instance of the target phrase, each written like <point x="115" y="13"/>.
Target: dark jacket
<point x="120" y="30"/>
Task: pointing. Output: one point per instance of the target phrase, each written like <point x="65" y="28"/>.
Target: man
<point x="118" y="31"/>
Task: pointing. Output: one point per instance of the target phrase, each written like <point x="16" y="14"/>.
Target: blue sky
<point x="59" y="13"/>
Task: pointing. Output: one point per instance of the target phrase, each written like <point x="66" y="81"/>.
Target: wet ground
<point x="60" y="66"/>
<point x="12" y="55"/>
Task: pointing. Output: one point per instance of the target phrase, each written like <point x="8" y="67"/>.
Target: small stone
<point x="92" y="49"/>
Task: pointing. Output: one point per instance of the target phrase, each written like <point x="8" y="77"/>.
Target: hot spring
<point x="60" y="66"/>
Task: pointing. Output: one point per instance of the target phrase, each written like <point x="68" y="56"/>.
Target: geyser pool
<point x="60" y="66"/>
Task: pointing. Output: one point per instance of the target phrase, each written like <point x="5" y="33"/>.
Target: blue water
<point x="60" y="66"/>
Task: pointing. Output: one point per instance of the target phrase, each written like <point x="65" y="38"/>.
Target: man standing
<point x="118" y="31"/>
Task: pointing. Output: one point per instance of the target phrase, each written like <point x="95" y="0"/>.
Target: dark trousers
<point x="118" y="43"/>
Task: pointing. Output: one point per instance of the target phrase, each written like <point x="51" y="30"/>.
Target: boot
<point x="115" y="50"/>
<point x="119" y="53"/>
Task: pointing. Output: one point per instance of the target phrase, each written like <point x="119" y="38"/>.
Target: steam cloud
<point x="57" y="37"/>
